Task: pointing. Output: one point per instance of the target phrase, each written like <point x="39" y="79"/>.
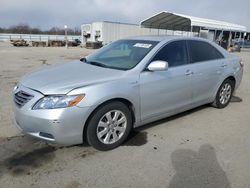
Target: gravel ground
<point x="204" y="147"/>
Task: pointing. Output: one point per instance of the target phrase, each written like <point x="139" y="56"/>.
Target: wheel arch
<point x="230" y="77"/>
<point x="126" y="102"/>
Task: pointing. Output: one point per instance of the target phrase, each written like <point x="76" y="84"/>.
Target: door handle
<point x="189" y="72"/>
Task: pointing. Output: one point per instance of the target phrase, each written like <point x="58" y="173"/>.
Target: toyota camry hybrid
<point x="100" y="98"/>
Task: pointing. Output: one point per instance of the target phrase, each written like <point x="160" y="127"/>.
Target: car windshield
<point x="122" y="54"/>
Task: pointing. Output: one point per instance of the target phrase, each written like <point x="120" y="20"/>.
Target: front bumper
<point x="61" y="126"/>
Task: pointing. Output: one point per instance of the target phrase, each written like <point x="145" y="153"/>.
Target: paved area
<point x="204" y="147"/>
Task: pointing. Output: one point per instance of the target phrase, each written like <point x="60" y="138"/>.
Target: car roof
<point x="160" y="38"/>
<point x="167" y="38"/>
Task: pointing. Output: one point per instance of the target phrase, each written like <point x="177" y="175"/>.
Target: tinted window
<point x="174" y="53"/>
<point x="203" y="51"/>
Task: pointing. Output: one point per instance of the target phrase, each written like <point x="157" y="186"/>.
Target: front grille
<point x="21" y="98"/>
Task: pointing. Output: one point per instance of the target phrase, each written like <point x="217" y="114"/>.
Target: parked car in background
<point x="241" y="43"/>
<point x="125" y="84"/>
<point x="76" y="42"/>
<point x="244" y="43"/>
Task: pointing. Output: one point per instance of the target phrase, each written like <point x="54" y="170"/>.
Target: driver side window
<point x="175" y="53"/>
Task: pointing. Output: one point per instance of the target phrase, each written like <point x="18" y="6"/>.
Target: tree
<point x="26" y="29"/>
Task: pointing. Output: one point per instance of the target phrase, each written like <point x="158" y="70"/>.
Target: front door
<point x="167" y="91"/>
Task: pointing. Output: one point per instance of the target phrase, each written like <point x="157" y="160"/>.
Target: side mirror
<point x="158" y="66"/>
<point x="83" y="59"/>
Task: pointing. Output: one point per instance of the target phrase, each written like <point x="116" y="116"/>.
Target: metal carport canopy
<point x="174" y="21"/>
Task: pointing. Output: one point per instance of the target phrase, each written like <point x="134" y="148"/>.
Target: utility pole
<point x="66" y="36"/>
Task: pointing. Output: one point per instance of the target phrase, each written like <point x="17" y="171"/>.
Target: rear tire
<point x="109" y="126"/>
<point x="224" y="94"/>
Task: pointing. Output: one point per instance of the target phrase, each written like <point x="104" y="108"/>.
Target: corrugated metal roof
<point x="174" y="21"/>
<point x="119" y="22"/>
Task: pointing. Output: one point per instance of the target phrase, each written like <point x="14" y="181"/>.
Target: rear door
<point x="166" y="91"/>
<point x="208" y="65"/>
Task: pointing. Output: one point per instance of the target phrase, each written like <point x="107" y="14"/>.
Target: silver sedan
<point x="125" y="84"/>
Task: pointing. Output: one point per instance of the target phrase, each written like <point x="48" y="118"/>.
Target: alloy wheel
<point x="225" y="93"/>
<point x="111" y="127"/>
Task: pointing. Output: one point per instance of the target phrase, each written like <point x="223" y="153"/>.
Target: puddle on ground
<point x="136" y="139"/>
<point x="34" y="158"/>
<point x="22" y="162"/>
<point x="21" y="154"/>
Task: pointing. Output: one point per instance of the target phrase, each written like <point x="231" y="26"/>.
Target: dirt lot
<point x="204" y="147"/>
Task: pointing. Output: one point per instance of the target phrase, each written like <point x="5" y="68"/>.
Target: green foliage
<point x="26" y="29"/>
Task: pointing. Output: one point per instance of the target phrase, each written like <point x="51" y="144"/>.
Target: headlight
<point x="53" y="102"/>
<point x="15" y="88"/>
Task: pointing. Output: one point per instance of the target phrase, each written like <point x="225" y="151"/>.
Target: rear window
<point x="202" y="51"/>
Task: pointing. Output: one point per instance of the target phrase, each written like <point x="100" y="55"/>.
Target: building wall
<point x="113" y="31"/>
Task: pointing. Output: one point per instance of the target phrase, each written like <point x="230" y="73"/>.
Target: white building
<point x="206" y="28"/>
<point x="107" y="32"/>
<point x="163" y="23"/>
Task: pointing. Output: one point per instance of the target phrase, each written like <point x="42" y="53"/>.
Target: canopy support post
<point x="229" y="40"/>
<point x="191" y="31"/>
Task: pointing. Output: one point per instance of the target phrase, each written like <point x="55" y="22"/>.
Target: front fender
<point x="97" y="94"/>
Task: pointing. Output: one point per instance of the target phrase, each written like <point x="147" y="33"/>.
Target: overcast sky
<point x="49" y="13"/>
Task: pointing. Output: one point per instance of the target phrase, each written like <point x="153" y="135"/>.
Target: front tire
<point x="109" y="126"/>
<point x="224" y="94"/>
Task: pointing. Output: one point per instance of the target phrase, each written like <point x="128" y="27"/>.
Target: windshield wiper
<point x="97" y="64"/>
<point x="100" y="64"/>
<point x="93" y="63"/>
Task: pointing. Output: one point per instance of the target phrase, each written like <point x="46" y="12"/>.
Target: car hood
<point x="62" y="78"/>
